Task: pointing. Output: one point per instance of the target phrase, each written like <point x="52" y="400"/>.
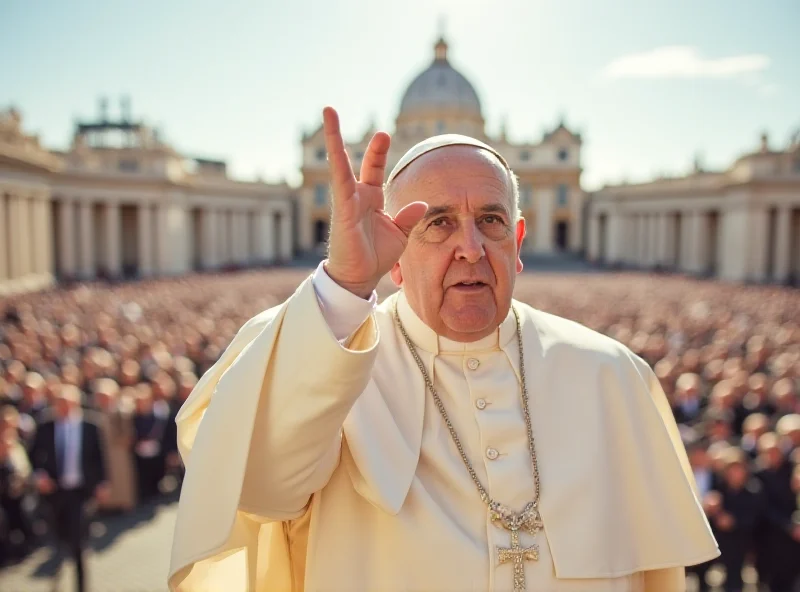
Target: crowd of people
<point x="727" y="356"/>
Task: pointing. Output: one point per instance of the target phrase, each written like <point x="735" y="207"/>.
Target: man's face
<point x="459" y="267"/>
<point x="62" y="407"/>
<point x="698" y="458"/>
<point x="736" y="475"/>
<point x="774" y="456"/>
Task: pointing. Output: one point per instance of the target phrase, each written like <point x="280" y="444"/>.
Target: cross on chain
<point x="518" y="554"/>
<point x="528" y="520"/>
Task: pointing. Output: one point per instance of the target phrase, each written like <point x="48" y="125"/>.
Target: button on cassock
<point x="473" y="364"/>
<point x="491" y="453"/>
<point x="480" y="403"/>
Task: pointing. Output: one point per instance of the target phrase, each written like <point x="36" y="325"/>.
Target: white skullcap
<point x="436" y="142"/>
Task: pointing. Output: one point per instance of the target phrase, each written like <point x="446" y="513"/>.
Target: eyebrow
<point x="487" y="209"/>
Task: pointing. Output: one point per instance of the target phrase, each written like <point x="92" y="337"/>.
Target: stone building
<point x="121" y="203"/>
<point x="741" y="224"/>
<point x="441" y="100"/>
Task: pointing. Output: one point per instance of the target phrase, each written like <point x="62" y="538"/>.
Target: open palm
<point x="365" y="242"/>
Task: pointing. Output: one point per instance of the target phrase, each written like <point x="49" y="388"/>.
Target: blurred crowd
<point x="728" y="358"/>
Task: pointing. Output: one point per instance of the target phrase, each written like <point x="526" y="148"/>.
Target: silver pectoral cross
<point x="528" y="520"/>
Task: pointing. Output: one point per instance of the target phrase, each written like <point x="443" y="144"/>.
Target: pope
<point x="448" y="439"/>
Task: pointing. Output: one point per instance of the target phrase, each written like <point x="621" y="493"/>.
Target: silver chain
<point x="525" y="411"/>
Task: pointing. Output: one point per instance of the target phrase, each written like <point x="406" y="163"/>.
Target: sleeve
<point x="295" y="382"/>
<point x="259" y="435"/>
<point x="344" y="312"/>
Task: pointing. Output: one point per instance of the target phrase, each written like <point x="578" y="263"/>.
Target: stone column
<point x="286" y="235"/>
<point x="222" y="242"/>
<point x="27" y="234"/>
<point x="639" y="254"/>
<point x="240" y="224"/>
<point x="4" y="233"/>
<point x="663" y="252"/>
<point x="145" y="238"/>
<point x="698" y="241"/>
<point x="86" y="237"/>
<point x="305" y="226"/>
<point x="209" y="234"/>
<point x="14" y="234"/>
<point x="35" y="260"/>
<point x="66" y="246"/>
<point x="687" y="245"/>
<point x="594" y="237"/>
<point x="627" y="239"/>
<point x="162" y="242"/>
<point x="544" y="220"/>
<point x="35" y="235"/>
<point x="268" y="253"/>
<point x="575" y="238"/>
<point x="782" y="247"/>
<point x="734" y="238"/>
<point x="233" y="236"/>
<point x="614" y="237"/>
<point x="249" y="255"/>
<point x="113" y="239"/>
<point x="757" y="232"/>
<point x="652" y="240"/>
<point x="46" y="252"/>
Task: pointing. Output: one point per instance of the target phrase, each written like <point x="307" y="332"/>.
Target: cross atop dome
<point x="440" y="49"/>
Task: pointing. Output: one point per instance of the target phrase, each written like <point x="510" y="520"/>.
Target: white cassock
<point x="314" y="464"/>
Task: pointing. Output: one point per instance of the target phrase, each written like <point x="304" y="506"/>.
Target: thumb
<point x="408" y="217"/>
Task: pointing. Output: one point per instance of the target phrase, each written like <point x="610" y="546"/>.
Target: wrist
<point x="361" y="289"/>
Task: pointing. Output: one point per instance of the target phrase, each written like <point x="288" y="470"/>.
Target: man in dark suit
<point x="69" y="461"/>
<point x="742" y="507"/>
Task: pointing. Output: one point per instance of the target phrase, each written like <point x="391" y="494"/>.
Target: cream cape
<point x="620" y="489"/>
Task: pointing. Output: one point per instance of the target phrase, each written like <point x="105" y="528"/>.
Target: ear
<point x="397" y="275"/>
<point x="520" y="236"/>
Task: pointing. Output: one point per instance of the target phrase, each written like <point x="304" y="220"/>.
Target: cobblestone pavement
<point x="129" y="554"/>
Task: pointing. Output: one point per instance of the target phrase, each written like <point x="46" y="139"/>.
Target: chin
<point x="470" y="318"/>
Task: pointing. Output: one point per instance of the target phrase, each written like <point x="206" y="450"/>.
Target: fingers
<point x="408" y="217"/>
<point x="373" y="167"/>
<point x="342" y="178"/>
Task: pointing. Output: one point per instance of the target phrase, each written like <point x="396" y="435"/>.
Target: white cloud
<point x="684" y="62"/>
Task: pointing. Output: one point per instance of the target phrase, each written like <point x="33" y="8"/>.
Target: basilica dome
<point x="440" y="100"/>
<point x="440" y="87"/>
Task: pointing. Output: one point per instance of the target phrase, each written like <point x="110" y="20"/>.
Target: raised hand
<point x="365" y="242"/>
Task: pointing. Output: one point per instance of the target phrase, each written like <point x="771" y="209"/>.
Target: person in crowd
<point x="149" y="428"/>
<point x="15" y="470"/>
<point x="776" y="549"/>
<point x="116" y="423"/>
<point x="735" y="514"/>
<point x="69" y="459"/>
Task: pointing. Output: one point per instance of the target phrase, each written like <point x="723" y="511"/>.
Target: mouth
<point x="470" y="286"/>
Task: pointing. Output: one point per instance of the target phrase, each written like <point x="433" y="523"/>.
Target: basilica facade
<point x="441" y="100"/>
<point x="741" y="224"/>
<point x="121" y="203"/>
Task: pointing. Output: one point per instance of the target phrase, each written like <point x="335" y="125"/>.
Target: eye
<point x="438" y="222"/>
<point x="492" y="219"/>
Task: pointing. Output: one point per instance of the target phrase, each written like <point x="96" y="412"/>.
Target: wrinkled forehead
<point x="458" y="168"/>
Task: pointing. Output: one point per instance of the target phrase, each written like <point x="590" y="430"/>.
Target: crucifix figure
<point x="518" y="554"/>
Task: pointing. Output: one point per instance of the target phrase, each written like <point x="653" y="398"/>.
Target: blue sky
<point x="648" y="83"/>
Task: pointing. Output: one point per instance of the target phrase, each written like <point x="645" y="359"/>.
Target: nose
<point x="470" y="243"/>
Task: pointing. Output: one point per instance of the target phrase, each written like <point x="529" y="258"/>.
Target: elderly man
<point x="450" y="438"/>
